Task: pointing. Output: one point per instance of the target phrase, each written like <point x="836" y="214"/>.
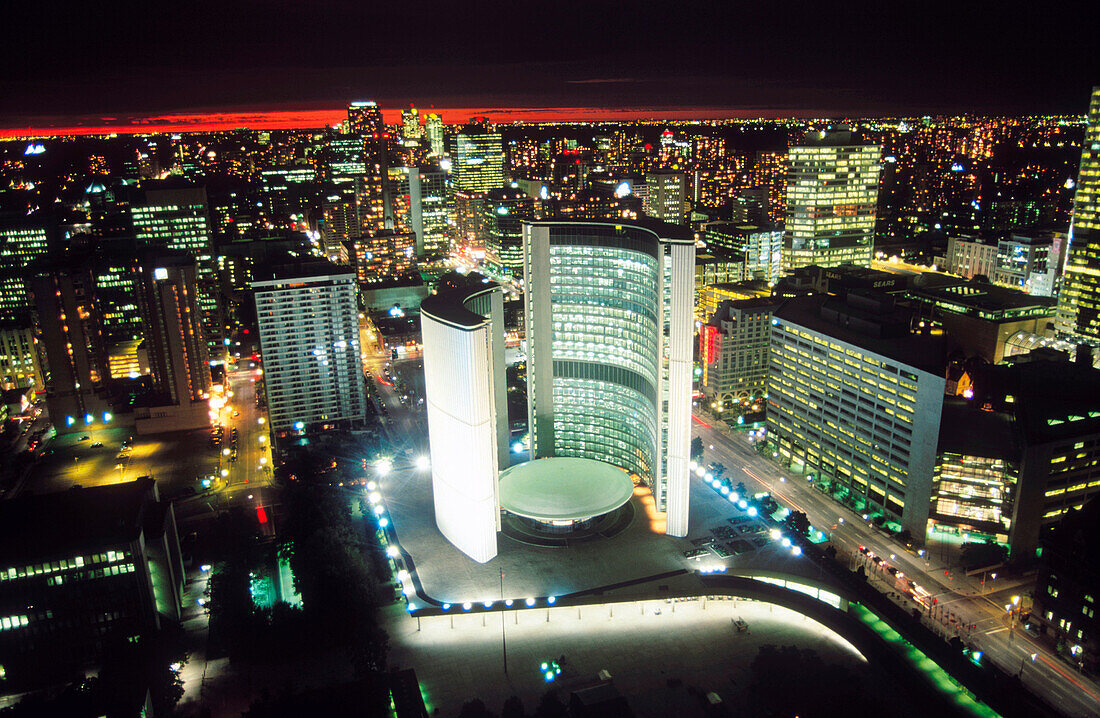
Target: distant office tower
<point x="20" y="366"/>
<point x="855" y="400"/>
<point x="309" y="337"/>
<point x="114" y="285"/>
<point x="289" y="191"/>
<point x="410" y="125"/>
<point x="832" y="190"/>
<point x="433" y="130"/>
<point x="418" y="201"/>
<point x="667" y="196"/>
<point x="467" y="411"/>
<point x="178" y="220"/>
<point x="505" y="209"/>
<point x="73" y="345"/>
<point x="470" y="219"/>
<point x="339" y="225"/>
<point x="22" y="240"/>
<point x="608" y="311"/>
<point x="478" y="161"/>
<point x="1079" y="305"/>
<point x="344" y="162"/>
<point x="762" y="246"/>
<point x="174" y="336"/>
<point x="365" y="118"/>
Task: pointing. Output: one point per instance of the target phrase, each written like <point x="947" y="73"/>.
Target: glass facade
<point x="605" y="346"/>
<point x="974" y="493"/>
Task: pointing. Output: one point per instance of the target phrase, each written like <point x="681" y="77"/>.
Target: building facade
<point x="309" y="336"/>
<point x="1079" y="300"/>
<point x="20" y="366"/>
<point x="667" y="196"/>
<point x="832" y="191"/>
<point x="855" y="402"/>
<point x="969" y="256"/>
<point x="477" y="161"/>
<point x="761" y="246"/>
<point x="79" y="568"/>
<point x="505" y="209"/>
<point x="733" y="352"/>
<point x="467" y="412"/>
<point x="608" y="314"/>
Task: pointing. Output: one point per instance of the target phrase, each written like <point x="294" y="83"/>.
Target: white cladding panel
<point x="462" y="435"/>
<point x="679" y="389"/>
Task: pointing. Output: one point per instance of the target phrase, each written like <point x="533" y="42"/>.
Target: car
<point x="85" y="437"/>
<point x="97" y="444"/>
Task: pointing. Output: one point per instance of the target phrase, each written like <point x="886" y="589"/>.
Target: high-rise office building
<point x="478" y="161"/>
<point x="761" y="246"/>
<point x="469" y="219"/>
<point x="365" y="118"/>
<point x="73" y="346"/>
<point x="339" y="226"/>
<point x="178" y="220"/>
<point x="467" y="411"/>
<point x="309" y="336"/>
<point x="22" y="240"/>
<point x="433" y="131"/>
<point x="167" y="293"/>
<point x="344" y="162"/>
<point x="855" y="400"/>
<point x="667" y="196"/>
<point x="1079" y="301"/>
<point x="832" y="190"/>
<point x="505" y="209"/>
<point x="410" y="125"/>
<point x="386" y="254"/>
<point x="608" y="310"/>
<point x="20" y="366"/>
<point x="418" y="202"/>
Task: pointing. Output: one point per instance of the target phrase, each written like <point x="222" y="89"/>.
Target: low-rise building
<point x="79" y="568"/>
<point x="733" y="352"/>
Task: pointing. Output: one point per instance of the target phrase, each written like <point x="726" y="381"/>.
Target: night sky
<point x="121" y="59"/>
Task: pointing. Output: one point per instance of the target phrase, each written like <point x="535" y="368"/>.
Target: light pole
<point x="503" y="639"/>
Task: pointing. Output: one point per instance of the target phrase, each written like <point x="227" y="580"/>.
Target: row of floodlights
<point x="743" y="504"/>
<point x="508" y="603"/>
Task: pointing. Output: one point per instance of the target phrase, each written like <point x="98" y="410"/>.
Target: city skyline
<point x="763" y="61"/>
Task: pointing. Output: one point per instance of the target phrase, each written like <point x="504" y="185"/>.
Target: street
<point x="1001" y="640"/>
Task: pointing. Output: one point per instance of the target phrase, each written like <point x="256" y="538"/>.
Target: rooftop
<point x="449" y="306"/>
<point x="564" y="489"/>
<point x="43" y="525"/>
<point x="925" y="353"/>
<point x="663" y="230"/>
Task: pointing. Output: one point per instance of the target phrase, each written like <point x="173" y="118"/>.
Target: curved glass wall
<point x="606" y="320"/>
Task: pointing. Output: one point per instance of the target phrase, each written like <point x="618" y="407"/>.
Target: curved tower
<point x="464" y="386"/>
<point x="608" y="311"/>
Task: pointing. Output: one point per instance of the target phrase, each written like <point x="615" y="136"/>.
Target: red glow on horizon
<point x="311" y="119"/>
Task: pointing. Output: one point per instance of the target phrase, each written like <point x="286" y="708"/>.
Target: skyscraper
<point x="174" y="336"/>
<point x="433" y="131"/>
<point x="1079" y="302"/>
<point x="22" y="240"/>
<point x="365" y="118"/>
<point x="73" y="344"/>
<point x="478" y="161"/>
<point x="410" y="125"/>
<point x="667" y="197"/>
<point x="608" y="311"/>
<point x="505" y="209"/>
<point x="418" y="202"/>
<point x="832" y="190"/>
<point x="178" y="220"/>
<point x="309" y="336"/>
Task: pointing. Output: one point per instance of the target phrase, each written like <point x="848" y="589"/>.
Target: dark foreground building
<point x="78" y="567"/>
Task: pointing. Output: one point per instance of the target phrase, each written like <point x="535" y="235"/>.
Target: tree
<point x="475" y="709"/>
<point x="697" y="448"/>
<point x="797" y="523"/>
<point x="550" y="706"/>
<point x="513" y="708"/>
<point x="740" y="488"/>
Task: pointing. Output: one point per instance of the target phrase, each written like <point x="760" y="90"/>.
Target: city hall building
<point x="608" y="310"/>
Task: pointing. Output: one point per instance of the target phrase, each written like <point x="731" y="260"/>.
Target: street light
<point x="383" y="467"/>
<point x="423" y="463"/>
